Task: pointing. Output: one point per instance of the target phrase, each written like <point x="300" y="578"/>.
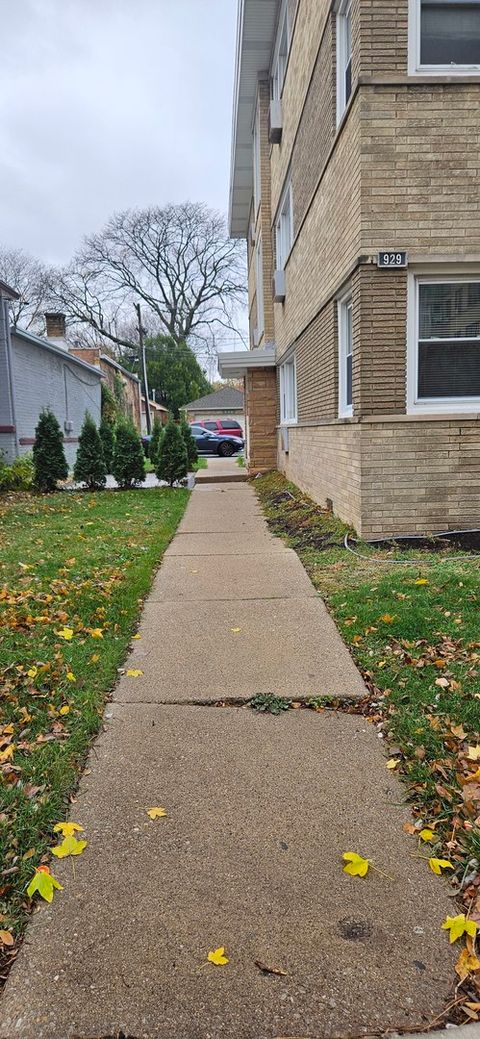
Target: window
<point x="284" y="227"/>
<point x="282" y="48"/>
<point x="344" y="56"/>
<point x="257" y="182"/>
<point x="288" y="392"/>
<point x="345" y="360"/>
<point x="211" y="425"/>
<point x="444" y="343"/>
<point x="444" y="35"/>
<point x="229" y="424"/>
<point x="259" y="288"/>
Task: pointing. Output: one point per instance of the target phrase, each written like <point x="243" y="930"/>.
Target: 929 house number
<point x="392" y="258"/>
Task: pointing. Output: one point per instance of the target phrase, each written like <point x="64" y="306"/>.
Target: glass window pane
<point x="449" y="310"/>
<point x="349" y="381"/>
<point x="449" y="369"/>
<point x="450" y="32"/>
<point x="211" y="425"/>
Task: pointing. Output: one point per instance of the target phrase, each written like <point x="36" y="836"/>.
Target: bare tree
<point x="29" y="277"/>
<point x="177" y="261"/>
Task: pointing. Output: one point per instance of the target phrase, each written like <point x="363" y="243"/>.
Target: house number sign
<point x="392" y="258"/>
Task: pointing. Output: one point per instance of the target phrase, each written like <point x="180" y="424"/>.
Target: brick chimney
<point x="56" y="327"/>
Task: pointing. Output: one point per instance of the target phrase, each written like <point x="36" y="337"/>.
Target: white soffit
<point x="257" y="22"/>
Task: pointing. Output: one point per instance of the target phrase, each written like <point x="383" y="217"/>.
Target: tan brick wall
<point x="382" y="36"/>
<point x="329" y="241"/>
<point x="420" y="475"/>
<point x="316" y="129"/>
<point x="317" y="381"/>
<point x="324" y="460"/>
<point x="420" y="167"/>
<point x="261" y="419"/>
<point x="310" y="21"/>
<point x="379" y="340"/>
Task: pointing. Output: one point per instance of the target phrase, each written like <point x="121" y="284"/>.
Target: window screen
<point x="449" y="340"/>
<point x="450" y="32"/>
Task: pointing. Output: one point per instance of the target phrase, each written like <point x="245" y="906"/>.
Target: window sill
<point x="442" y="408"/>
<point x="288" y="423"/>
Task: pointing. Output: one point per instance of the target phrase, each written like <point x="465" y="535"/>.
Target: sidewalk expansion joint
<point x="309" y="701"/>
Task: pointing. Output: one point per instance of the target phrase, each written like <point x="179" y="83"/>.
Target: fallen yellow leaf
<point x="7" y="938"/>
<point x="96" y="633"/>
<point x="356" y="866"/>
<point x="33" y="672"/>
<point x="69" y="846"/>
<point x="67" y="829"/>
<point x="136" y="637"/>
<point x="156" y="813"/>
<point x="218" y="956"/>
<point x="467" y="963"/>
<point x="459" y="925"/>
<point x="65" y="709"/>
<point x="71" y="676"/>
<point x="7" y="754"/>
<point x="44" y="883"/>
<point x="392" y="763"/>
<point x="387" y="618"/>
<point x="474" y="753"/>
<point x="95" y="657"/>
<point x="421" y="580"/>
<point x="235" y="630"/>
<point x="133" y="673"/>
<point x="426" y="834"/>
<point x="65" y="633"/>
<point x="436" y="865"/>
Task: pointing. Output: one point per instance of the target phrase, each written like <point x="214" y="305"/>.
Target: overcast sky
<point x="106" y="104"/>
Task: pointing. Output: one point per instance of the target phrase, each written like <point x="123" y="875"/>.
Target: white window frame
<point x="344" y="53"/>
<point x="440" y="405"/>
<point x="284" y="227"/>
<point x="280" y="54"/>
<point x="259" y="287"/>
<point x="257" y="177"/>
<point x="288" y="392"/>
<point x="414" y="43"/>
<point x="344" y="305"/>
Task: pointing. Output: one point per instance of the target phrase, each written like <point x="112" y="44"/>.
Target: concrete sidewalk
<point x="260" y="809"/>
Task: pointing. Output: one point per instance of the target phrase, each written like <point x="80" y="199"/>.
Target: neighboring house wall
<point x="114" y="372"/>
<point x="46" y="379"/>
<point x="398" y="168"/>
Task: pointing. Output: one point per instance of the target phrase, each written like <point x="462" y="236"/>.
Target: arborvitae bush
<point x="192" y="453"/>
<point x="172" y="459"/>
<point x="107" y="436"/>
<point x="128" y="466"/>
<point x="90" y="467"/>
<point x="49" y="462"/>
<point x="157" y="433"/>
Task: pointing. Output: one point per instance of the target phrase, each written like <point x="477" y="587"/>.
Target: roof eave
<point x="256" y="27"/>
<point x="236" y="364"/>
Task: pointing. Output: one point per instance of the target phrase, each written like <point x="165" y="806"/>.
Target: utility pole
<point x="143" y="364"/>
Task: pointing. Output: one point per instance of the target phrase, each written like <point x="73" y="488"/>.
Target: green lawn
<point x="70" y="563"/>
<point x="413" y="629"/>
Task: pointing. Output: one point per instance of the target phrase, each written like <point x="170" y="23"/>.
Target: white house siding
<point x="43" y="379"/>
<point x="7" y="417"/>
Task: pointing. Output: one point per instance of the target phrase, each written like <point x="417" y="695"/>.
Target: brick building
<point x="124" y="384"/>
<point x="357" y="144"/>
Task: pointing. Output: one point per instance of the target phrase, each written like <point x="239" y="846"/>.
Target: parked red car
<point x="224" y="426"/>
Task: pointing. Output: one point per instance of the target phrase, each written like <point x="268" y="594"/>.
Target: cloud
<point x="107" y="104"/>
